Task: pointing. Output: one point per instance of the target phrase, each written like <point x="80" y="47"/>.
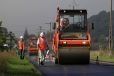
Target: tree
<point x="12" y="39"/>
<point x="26" y="35"/>
<point x="3" y="35"/>
<point x="101" y="31"/>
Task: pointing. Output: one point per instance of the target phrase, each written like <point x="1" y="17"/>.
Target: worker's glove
<point x="47" y="52"/>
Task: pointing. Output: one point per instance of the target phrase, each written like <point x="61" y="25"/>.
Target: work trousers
<point x="41" y="55"/>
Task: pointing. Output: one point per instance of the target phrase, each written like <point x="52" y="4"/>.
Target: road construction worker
<point x="21" y="47"/>
<point x="61" y="22"/>
<point x="42" y="48"/>
<point x="64" y="22"/>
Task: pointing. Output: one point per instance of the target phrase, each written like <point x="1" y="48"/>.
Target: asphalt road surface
<point x="51" y="69"/>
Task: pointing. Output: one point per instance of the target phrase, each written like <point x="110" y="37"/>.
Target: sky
<point x="20" y="14"/>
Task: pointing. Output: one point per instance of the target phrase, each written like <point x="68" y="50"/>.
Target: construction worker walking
<point x="21" y="47"/>
<point x="42" y="47"/>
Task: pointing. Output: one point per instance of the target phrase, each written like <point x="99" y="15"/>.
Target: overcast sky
<point x="20" y="14"/>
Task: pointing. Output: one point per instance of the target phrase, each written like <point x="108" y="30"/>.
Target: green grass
<point x="107" y="58"/>
<point x="18" y="61"/>
<point x="14" y="66"/>
<point x="103" y="56"/>
<point x="19" y="67"/>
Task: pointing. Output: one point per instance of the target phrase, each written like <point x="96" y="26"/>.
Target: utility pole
<point x="110" y="29"/>
<point x="75" y="4"/>
<point x="40" y="28"/>
<point x="49" y="25"/>
<point x="50" y="28"/>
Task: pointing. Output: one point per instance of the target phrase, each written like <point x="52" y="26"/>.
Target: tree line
<point x="7" y="38"/>
<point x="100" y="35"/>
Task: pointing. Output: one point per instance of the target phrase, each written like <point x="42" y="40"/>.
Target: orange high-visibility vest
<point x="21" y="45"/>
<point x="42" y="44"/>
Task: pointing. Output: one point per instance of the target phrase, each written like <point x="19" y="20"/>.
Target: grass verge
<point x="11" y="65"/>
<point x="102" y="56"/>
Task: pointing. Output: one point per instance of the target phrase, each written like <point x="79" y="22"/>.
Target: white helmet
<point x="21" y="37"/>
<point x="42" y="34"/>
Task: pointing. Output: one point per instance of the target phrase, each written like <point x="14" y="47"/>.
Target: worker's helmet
<point x="21" y="37"/>
<point x="42" y="34"/>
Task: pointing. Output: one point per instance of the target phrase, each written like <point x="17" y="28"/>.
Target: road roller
<point x="32" y="45"/>
<point x="71" y="38"/>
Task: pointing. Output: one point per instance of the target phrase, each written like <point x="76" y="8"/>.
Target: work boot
<point x="21" y="57"/>
<point x="42" y="63"/>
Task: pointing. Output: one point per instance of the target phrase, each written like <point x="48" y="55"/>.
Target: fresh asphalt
<point x="51" y="69"/>
<point x="92" y="69"/>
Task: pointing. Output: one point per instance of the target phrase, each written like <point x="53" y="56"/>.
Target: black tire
<point x="76" y="55"/>
<point x="56" y="60"/>
<point x="88" y="59"/>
